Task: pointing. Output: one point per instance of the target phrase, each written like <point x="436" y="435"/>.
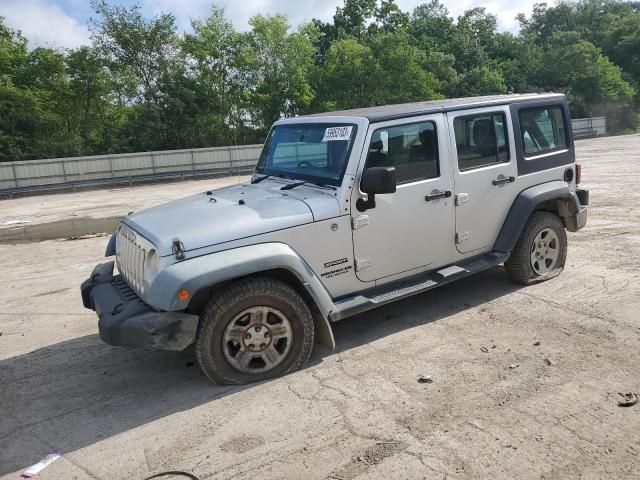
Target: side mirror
<point x="376" y="180"/>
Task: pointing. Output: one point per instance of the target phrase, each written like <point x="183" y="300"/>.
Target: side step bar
<point x="388" y="293"/>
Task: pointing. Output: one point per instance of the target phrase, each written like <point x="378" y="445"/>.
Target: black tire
<point x="519" y="265"/>
<point x="232" y="301"/>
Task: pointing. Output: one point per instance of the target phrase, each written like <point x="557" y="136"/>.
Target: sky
<point x="65" y="23"/>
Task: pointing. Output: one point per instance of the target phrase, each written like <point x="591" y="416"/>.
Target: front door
<point x="409" y="230"/>
<point x="485" y="175"/>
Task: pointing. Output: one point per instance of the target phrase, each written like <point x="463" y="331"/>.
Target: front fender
<point x="111" y="246"/>
<point x="202" y="272"/>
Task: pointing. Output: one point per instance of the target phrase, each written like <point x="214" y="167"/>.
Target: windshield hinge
<point x="461" y="198"/>
<point x="178" y="249"/>
<point x="362" y="263"/>
<point x="359" y="221"/>
<point x="462" y="237"/>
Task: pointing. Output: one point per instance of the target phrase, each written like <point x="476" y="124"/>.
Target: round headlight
<point x="153" y="262"/>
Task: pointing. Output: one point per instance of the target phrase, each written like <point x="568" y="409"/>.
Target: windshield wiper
<point x="289" y="186"/>
<point x="259" y="179"/>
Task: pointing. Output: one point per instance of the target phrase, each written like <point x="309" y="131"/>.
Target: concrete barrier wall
<point x="58" y="172"/>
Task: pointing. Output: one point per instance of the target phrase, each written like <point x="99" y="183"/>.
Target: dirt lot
<point x="499" y="406"/>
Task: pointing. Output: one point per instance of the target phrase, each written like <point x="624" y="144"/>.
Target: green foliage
<point x="349" y="77"/>
<point x="279" y="69"/>
<point x="142" y="85"/>
<point x="351" y="20"/>
<point x="479" y="81"/>
<point x="578" y="68"/>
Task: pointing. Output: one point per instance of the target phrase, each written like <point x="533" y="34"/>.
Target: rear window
<point x="542" y="130"/>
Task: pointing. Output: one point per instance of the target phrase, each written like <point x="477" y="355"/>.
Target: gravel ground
<point x="501" y="405"/>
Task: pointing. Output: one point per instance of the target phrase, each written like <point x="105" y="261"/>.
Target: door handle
<point x="502" y="180"/>
<point x="437" y="194"/>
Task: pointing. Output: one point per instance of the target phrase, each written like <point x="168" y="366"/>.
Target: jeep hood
<point x="228" y="214"/>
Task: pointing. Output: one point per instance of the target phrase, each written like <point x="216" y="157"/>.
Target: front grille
<point x="131" y="253"/>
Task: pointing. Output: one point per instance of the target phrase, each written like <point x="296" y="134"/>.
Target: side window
<point x="542" y="130"/>
<point x="412" y="149"/>
<point x="481" y="140"/>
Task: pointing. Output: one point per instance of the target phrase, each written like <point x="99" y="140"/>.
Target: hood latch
<point x="178" y="249"/>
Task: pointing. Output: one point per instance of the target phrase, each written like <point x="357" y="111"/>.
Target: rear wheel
<point x="541" y="250"/>
<point x="252" y="330"/>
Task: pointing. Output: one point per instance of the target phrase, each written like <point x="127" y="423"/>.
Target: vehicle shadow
<point x="78" y="392"/>
<point x="428" y="307"/>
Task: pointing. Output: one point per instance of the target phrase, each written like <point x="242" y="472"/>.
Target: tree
<point x="389" y="17"/>
<point x="578" y="68"/>
<point x="519" y="61"/>
<point x="280" y="64"/>
<point x="351" y="20"/>
<point x="401" y="76"/>
<point x="88" y="97"/>
<point x="145" y="63"/>
<point x="13" y="51"/>
<point x="349" y="78"/>
<point x="432" y="27"/>
<point x="473" y="39"/>
<point x="221" y="78"/>
<point x="146" y="48"/>
<point x="479" y="81"/>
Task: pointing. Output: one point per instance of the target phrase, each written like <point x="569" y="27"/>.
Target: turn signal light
<point x="183" y="295"/>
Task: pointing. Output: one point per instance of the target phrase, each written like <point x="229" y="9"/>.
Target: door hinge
<point x="461" y="198"/>
<point x="462" y="237"/>
<point x="362" y="263"/>
<point x="359" y="221"/>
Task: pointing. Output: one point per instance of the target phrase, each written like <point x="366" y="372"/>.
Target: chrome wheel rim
<point x="257" y="340"/>
<point x="545" y="251"/>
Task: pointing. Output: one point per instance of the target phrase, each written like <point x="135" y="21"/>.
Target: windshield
<point x="316" y="152"/>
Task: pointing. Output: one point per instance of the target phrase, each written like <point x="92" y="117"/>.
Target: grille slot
<point x="131" y="254"/>
<point x="125" y="290"/>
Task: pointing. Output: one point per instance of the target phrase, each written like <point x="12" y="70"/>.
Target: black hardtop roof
<point x="389" y="112"/>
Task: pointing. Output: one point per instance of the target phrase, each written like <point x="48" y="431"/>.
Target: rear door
<point x="410" y="229"/>
<point x="485" y="174"/>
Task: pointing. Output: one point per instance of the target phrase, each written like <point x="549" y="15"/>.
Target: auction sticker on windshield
<point x="337" y="133"/>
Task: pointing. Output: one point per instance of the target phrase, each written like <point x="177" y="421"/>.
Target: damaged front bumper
<point x="125" y="320"/>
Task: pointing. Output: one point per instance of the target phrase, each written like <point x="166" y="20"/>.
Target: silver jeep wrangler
<point x="346" y="211"/>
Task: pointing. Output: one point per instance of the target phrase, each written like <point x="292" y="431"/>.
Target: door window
<point x="412" y="149"/>
<point x="542" y="130"/>
<point x="481" y="140"/>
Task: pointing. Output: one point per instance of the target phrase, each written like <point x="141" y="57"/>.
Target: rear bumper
<point x="125" y="320"/>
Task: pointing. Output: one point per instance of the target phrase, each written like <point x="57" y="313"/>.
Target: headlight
<point x="151" y="268"/>
<point x="153" y="263"/>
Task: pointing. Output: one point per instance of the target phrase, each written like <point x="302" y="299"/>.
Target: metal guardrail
<point x="69" y="173"/>
<point x="72" y="172"/>
<point x="589" y="127"/>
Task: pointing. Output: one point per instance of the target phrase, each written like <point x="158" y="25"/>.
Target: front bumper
<point x="125" y="320"/>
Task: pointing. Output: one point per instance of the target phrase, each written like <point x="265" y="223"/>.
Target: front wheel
<point x="253" y="330"/>
<point x="541" y="250"/>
